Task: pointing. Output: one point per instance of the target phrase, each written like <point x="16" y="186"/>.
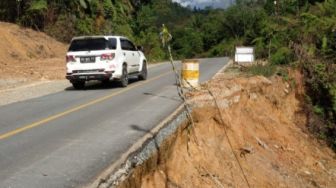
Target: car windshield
<point x="88" y="44"/>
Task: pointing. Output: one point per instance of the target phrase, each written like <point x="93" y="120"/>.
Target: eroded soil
<point x="266" y="126"/>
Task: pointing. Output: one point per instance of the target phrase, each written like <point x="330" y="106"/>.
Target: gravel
<point x="32" y="90"/>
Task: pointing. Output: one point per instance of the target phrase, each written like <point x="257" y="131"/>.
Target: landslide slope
<point x="266" y="125"/>
<point x="27" y="55"/>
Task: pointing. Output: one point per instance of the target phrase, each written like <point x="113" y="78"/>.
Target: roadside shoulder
<point x="30" y="91"/>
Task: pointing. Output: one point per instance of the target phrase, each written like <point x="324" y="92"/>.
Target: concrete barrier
<point x="190" y="73"/>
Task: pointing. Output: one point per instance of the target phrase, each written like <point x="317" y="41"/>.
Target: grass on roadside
<point x="263" y="70"/>
<point x="269" y="70"/>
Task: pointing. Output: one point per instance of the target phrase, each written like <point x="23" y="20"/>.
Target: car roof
<point x="98" y="36"/>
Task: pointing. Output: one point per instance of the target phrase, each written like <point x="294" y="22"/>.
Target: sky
<point x="205" y="3"/>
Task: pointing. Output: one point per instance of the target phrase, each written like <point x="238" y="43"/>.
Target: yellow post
<point x="190" y="73"/>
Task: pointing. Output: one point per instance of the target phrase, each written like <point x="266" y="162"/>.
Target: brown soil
<point x="267" y="128"/>
<point x="28" y="55"/>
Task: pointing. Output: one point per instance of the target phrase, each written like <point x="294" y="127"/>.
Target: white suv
<point x="104" y="58"/>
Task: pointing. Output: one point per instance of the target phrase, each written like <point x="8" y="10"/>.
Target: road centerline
<point x="77" y="108"/>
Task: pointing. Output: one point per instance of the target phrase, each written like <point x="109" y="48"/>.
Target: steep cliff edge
<point x="266" y="125"/>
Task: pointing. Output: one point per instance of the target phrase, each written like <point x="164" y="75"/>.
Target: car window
<point x="88" y="44"/>
<point x="131" y="46"/>
<point x="124" y="44"/>
<point x="112" y="43"/>
<point x="127" y="45"/>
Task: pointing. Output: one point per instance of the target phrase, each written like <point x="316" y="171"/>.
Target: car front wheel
<point x="144" y="72"/>
<point x="124" y="77"/>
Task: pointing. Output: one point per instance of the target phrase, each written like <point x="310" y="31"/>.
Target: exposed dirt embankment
<point x="267" y="128"/>
<point x="27" y="55"/>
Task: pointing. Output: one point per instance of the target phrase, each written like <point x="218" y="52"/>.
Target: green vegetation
<point x="263" y="70"/>
<point x="300" y="32"/>
<point x="282" y="56"/>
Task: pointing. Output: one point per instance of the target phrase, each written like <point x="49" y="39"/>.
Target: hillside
<point x="27" y="55"/>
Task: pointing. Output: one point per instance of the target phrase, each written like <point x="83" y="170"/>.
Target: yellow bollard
<point x="190" y="73"/>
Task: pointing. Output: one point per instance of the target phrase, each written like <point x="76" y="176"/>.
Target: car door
<point x="126" y="52"/>
<point x="131" y="54"/>
<point x="135" y="56"/>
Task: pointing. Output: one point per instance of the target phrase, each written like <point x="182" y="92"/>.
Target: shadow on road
<point x="97" y="85"/>
<point x="140" y="129"/>
<point x="162" y="96"/>
<point x="153" y="137"/>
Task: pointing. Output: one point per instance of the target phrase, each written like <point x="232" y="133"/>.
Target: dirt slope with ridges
<point x="28" y="55"/>
<point x="266" y="124"/>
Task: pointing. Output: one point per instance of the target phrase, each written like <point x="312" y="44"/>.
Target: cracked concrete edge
<point x="144" y="148"/>
<point x="139" y="152"/>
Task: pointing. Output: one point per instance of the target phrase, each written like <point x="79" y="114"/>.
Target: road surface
<point x="67" y="138"/>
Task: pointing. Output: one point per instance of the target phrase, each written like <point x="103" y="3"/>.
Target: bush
<point x="63" y="23"/>
<point x="84" y="26"/>
<point x="320" y="84"/>
<point x="318" y="110"/>
<point x="182" y="45"/>
<point x="225" y="48"/>
<point x="263" y="70"/>
<point x="282" y="56"/>
<point x="260" y="47"/>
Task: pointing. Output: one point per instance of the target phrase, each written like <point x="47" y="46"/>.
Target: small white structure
<point x="244" y="54"/>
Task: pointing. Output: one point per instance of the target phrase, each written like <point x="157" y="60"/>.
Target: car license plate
<point x="83" y="77"/>
<point x="90" y="59"/>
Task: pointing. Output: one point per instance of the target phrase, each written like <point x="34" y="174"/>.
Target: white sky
<point x="205" y="3"/>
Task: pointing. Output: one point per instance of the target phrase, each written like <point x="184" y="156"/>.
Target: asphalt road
<point x="67" y="138"/>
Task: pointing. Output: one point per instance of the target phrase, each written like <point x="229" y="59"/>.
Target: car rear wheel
<point x="143" y="73"/>
<point x="124" y="77"/>
<point x="106" y="82"/>
<point x="78" y="85"/>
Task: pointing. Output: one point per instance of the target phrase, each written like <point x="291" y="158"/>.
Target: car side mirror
<point x="140" y="48"/>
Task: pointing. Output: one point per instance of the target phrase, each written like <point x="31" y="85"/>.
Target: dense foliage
<point x="300" y="32"/>
<point x="63" y="19"/>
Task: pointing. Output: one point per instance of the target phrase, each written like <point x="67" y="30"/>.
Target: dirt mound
<point x="267" y="129"/>
<point x="26" y="54"/>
